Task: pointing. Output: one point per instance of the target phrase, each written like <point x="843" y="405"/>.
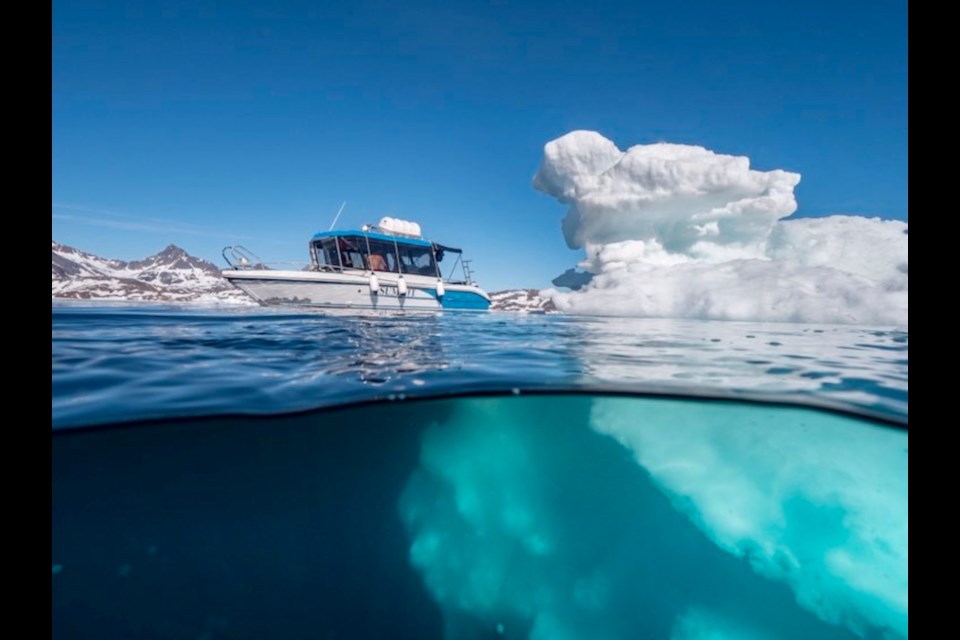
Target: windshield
<point x="358" y="252"/>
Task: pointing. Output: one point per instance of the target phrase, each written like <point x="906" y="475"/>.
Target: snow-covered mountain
<point x="172" y="275"/>
<point x="521" y="300"/>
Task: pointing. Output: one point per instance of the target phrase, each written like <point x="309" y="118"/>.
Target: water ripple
<point x="118" y="364"/>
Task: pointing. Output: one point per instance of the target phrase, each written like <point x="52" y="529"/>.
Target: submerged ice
<point x="817" y="502"/>
<point x="555" y="518"/>
<point x="672" y="230"/>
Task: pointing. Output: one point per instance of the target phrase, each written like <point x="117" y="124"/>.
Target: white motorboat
<point x="387" y="266"/>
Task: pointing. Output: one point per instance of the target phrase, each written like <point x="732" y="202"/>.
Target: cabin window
<point x="417" y="260"/>
<point x="352" y="251"/>
<point x="383" y="256"/>
<point x="326" y="253"/>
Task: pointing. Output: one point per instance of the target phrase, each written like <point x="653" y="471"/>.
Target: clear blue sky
<point x="206" y="123"/>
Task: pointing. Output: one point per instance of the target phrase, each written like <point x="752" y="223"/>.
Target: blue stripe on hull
<point x="462" y="300"/>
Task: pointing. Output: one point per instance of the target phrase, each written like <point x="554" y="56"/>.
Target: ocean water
<point x="249" y="474"/>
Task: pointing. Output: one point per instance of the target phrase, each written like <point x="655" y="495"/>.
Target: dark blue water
<point x="546" y="509"/>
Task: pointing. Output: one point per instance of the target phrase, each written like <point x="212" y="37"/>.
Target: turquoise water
<point x="255" y="474"/>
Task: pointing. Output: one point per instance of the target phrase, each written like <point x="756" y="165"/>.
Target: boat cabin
<point x="371" y="249"/>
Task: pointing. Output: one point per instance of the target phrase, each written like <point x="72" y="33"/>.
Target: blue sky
<point x="205" y="123"/>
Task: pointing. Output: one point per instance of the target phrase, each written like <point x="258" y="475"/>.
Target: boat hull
<point x="332" y="290"/>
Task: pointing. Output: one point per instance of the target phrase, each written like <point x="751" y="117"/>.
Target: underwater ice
<point x="672" y="230"/>
<point x="661" y="519"/>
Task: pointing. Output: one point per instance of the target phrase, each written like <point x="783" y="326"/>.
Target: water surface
<point x="114" y="364"/>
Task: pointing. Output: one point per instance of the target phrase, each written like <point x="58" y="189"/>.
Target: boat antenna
<point x="337" y="217"/>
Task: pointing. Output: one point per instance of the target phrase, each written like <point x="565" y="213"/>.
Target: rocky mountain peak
<point x="174" y="258"/>
<point x="172" y="274"/>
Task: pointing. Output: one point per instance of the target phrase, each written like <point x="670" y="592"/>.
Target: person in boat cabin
<point x="377" y="263"/>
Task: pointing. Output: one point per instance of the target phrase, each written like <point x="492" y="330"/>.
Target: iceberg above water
<point x="679" y="231"/>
